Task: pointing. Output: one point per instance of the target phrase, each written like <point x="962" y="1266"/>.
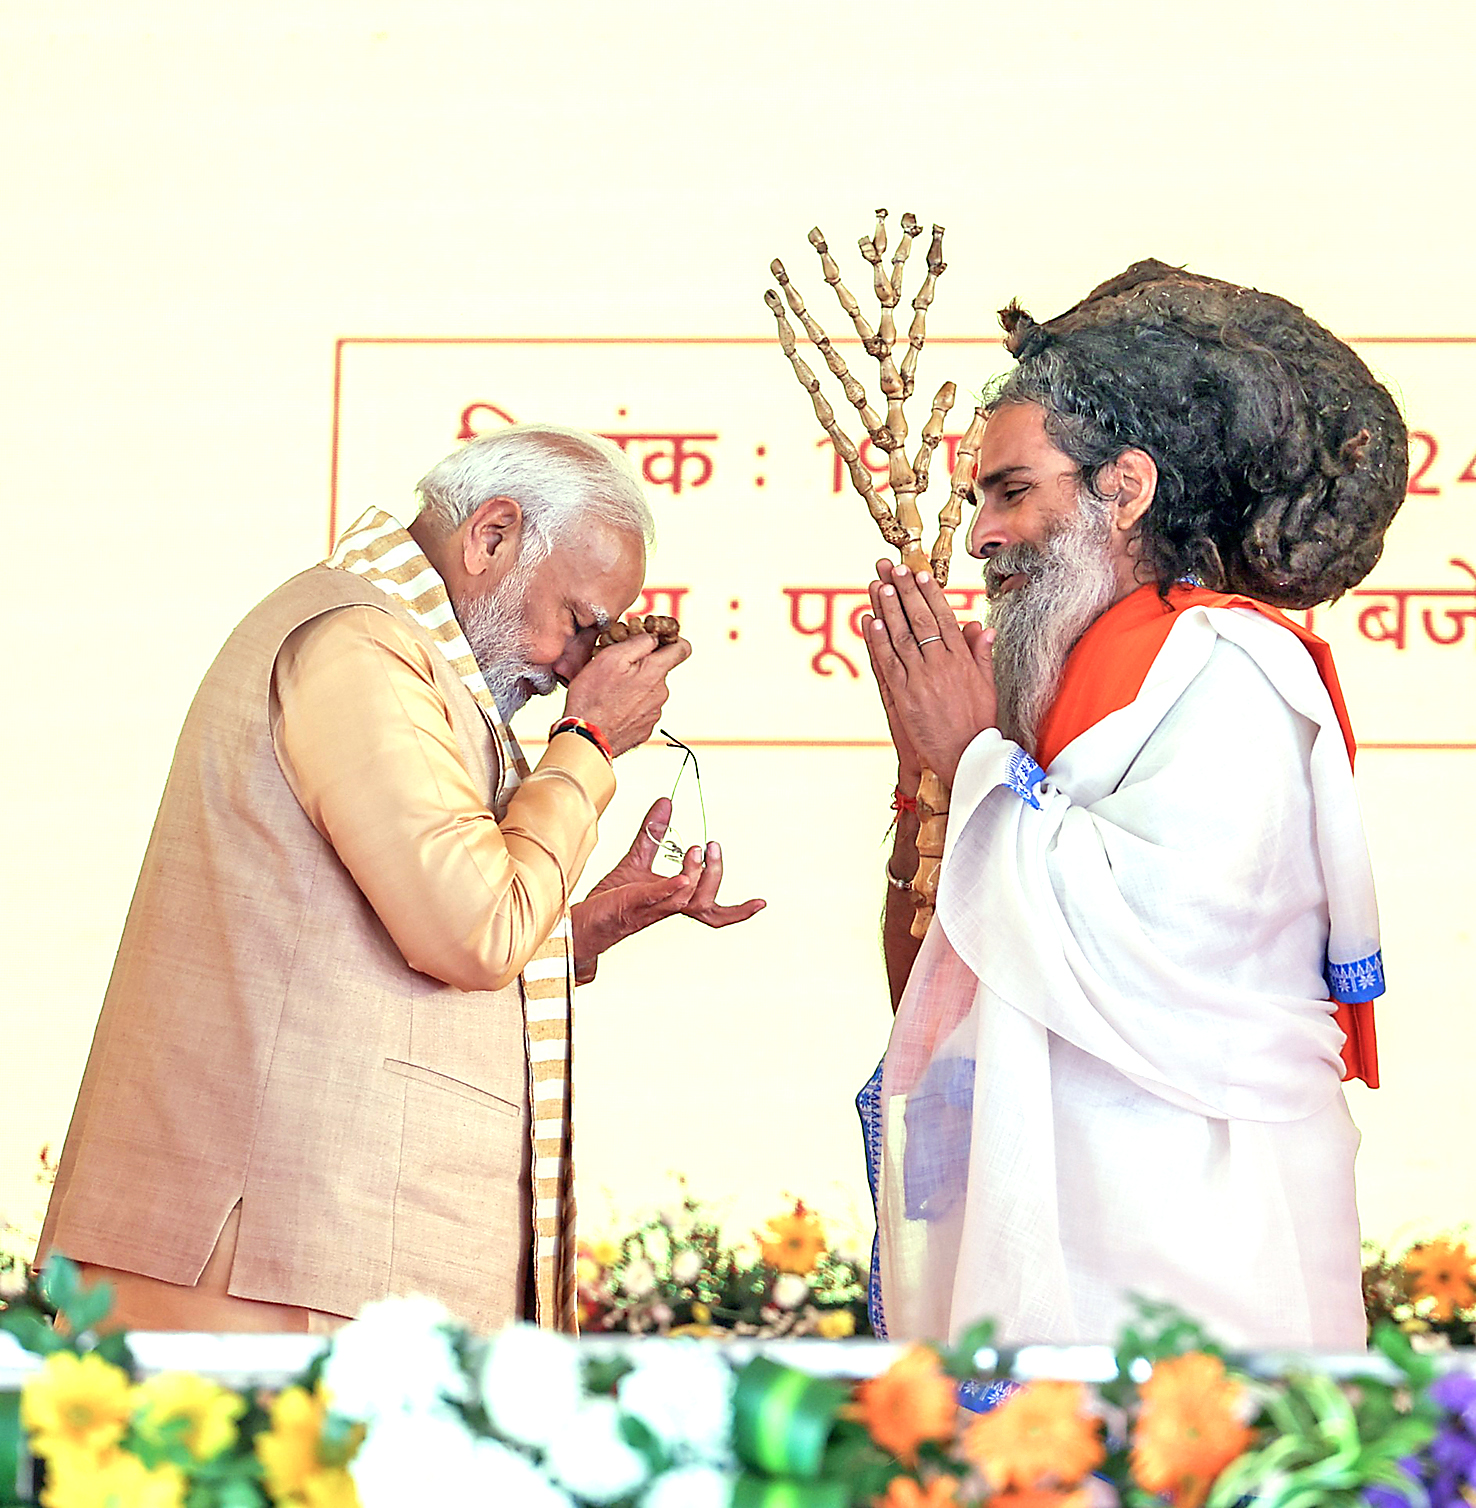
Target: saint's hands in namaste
<point x="936" y="678"/>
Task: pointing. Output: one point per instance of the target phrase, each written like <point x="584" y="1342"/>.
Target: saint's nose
<point x="987" y="534"/>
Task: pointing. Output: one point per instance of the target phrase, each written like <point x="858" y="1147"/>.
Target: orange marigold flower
<point x="793" y="1243"/>
<point x="1441" y="1270"/>
<point x="907" y="1492"/>
<point x="1189" y="1428"/>
<point x="1038" y="1436"/>
<point x="912" y="1401"/>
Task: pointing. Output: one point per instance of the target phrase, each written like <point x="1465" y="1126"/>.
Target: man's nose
<point x="578" y="652"/>
<point x="987" y="533"/>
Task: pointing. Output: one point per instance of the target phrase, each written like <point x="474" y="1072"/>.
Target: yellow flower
<point x="79" y="1478"/>
<point x="912" y="1401"/>
<point x="297" y="1466"/>
<point x="1441" y="1270"/>
<point x="603" y="1252"/>
<point x="1040" y="1435"/>
<point x="1189" y="1428"/>
<point x="836" y="1324"/>
<point x="208" y="1410"/>
<point x="701" y="1314"/>
<point x="77" y="1402"/>
<point x="794" y="1243"/>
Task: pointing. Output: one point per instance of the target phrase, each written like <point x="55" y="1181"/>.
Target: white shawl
<point x="1115" y="1068"/>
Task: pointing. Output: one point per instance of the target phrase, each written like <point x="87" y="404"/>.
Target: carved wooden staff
<point x="901" y="523"/>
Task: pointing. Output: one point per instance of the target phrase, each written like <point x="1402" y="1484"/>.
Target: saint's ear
<point x="492" y="538"/>
<point x="1131" y="482"/>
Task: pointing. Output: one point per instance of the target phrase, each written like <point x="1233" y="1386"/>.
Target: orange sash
<point x="1106" y="671"/>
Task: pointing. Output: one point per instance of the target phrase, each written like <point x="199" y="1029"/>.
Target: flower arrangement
<point x="406" y="1406"/>
<point x="1428" y="1290"/>
<point x="675" y="1274"/>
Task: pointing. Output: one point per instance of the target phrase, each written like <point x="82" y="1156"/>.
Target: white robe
<point x="1115" y="1069"/>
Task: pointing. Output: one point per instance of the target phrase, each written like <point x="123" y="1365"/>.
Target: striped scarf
<point x="378" y="549"/>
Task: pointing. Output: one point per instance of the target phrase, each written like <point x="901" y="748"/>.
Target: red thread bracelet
<point x="902" y="802"/>
<point x="585" y="730"/>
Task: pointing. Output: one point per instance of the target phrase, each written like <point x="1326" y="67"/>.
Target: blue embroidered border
<point x="1023" y="776"/>
<point x="1363" y="979"/>
<point x="980" y="1397"/>
<point x="868" y="1106"/>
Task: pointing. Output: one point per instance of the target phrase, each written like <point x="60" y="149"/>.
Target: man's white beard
<point x="1070" y="582"/>
<point x="498" y="636"/>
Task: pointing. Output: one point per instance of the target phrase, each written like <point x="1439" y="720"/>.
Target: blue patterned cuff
<point x="1363" y="979"/>
<point x="1023" y="777"/>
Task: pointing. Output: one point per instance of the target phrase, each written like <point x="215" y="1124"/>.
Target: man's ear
<point x="492" y="538"/>
<point x="1131" y="482"/>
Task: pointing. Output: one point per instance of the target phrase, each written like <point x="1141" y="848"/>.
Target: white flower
<point x="510" y="1478"/>
<point x="790" y="1290"/>
<point x="531" y="1383"/>
<point x="686" y="1267"/>
<point x="395" y="1358"/>
<point x="436" y="1459"/>
<point x="592" y="1458"/>
<point x="638" y="1279"/>
<point x="691" y="1487"/>
<point x="682" y="1392"/>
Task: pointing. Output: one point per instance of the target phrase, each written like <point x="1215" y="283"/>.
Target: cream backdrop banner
<point x="269" y="264"/>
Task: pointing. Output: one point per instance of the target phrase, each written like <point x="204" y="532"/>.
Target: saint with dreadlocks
<point x="1117" y="1058"/>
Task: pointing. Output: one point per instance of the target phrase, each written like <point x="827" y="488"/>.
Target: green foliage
<point x="1323" y="1445"/>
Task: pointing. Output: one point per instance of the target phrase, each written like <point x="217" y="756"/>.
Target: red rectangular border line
<point x="765" y="340"/>
<point x="881" y="743"/>
<point x="679" y="340"/>
<point x="754" y="340"/>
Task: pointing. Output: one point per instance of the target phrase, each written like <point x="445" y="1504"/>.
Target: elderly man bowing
<point x="333" y="1059"/>
<point x="1116" y="1060"/>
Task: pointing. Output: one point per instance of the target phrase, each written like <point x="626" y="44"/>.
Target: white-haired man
<point x="333" y="1059"/>
<point x="1116" y="1063"/>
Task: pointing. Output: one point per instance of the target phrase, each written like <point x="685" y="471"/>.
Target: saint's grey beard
<point x="1069" y="583"/>
<point x="498" y="636"/>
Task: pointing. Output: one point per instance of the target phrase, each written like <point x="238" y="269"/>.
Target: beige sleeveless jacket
<point x="263" y="1041"/>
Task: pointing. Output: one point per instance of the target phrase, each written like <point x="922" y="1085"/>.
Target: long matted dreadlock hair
<point x="1281" y="459"/>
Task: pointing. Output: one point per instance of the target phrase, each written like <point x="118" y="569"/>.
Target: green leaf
<point x="113" y="1347"/>
<point x="89" y="1308"/>
<point x="61" y="1284"/>
<point x="782" y="1418"/>
<point x="751" y="1491"/>
<point x="1395" y="1344"/>
<point x="32" y="1331"/>
<point x="641" y="1437"/>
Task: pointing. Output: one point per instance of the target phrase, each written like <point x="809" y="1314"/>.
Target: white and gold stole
<point x="378" y="548"/>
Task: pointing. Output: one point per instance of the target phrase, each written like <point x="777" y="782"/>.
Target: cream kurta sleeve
<point x="366" y="743"/>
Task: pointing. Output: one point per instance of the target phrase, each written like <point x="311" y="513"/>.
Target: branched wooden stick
<point x="891" y="530"/>
<point x="961" y="484"/>
<point x="831" y="273"/>
<point x="902" y="528"/>
<point x="855" y="393"/>
<point x="918" y="331"/>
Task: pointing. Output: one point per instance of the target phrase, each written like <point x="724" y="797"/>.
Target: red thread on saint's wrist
<point x="902" y="802"/>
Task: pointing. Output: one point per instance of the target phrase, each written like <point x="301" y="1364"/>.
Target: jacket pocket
<point x="452" y="1086"/>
